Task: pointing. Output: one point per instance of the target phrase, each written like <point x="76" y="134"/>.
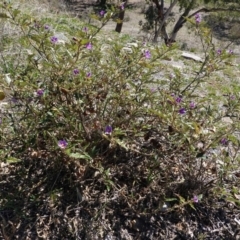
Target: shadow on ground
<point x="45" y="200"/>
<point x="224" y="29"/>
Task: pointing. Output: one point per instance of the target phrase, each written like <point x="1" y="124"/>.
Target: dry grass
<point x="41" y="7"/>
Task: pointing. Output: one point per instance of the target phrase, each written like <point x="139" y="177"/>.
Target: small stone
<point x="192" y="56"/>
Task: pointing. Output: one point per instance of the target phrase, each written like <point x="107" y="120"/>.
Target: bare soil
<point x="223" y="32"/>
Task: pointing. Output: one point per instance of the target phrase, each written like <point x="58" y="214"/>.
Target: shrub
<point x="116" y="109"/>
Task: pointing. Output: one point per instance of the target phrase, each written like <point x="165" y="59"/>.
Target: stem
<point x="197" y="75"/>
<point x="163" y="20"/>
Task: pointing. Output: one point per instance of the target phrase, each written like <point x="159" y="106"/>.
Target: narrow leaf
<point x="170" y="199"/>
<point x="191" y="205"/>
<point x="13" y="160"/>
<point x="79" y="156"/>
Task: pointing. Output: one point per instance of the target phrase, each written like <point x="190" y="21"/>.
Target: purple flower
<point x="178" y="100"/>
<point x="75" y="71"/>
<point x="54" y="39"/>
<point x="219" y="51"/>
<point x="88" y="74"/>
<point x="224" y="141"/>
<point x="108" y="130"/>
<point x="195" y="199"/>
<point x="192" y="105"/>
<point x="36" y="25"/>
<point x="85" y="29"/>
<point x="153" y="90"/>
<point x="102" y="13"/>
<point x="122" y="6"/>
<point x="40" y="92"/>
<point x="172" y="75"/>
<point x="46" y="27"/>
<point x="147" y="54"/>
<point x="89" y="46"/>
<point x="232" y="97"/>
<point x="182" y="111"/>
<point x="230" y="51"/>
<point x="62" y="144"/>
<point x="198" y="18"/>
<point x="14" y="100"/>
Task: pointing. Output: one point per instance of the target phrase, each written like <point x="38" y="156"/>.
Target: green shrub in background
<point x="100" y="102"/>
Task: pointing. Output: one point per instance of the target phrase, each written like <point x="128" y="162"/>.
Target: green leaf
<point x="191" y="205"/>
<point x="50" y="114"/>
<point x="13" y="160"/>
<point x="79" y="156"/>
<point x="85" y="41"/>
<point x="2" y="95"/>
<point x="3" y="15"/>
<point x="35" y="38"/>
<point x="109" y="184"/>
<point x="113" y="9"/>
<point x="118" y="21"/>
<point x="121" y="144"/>
<point x="16" y="12"/>
<point x="68" y="151"/>
<point x="233" y="139"/>
<point x="197" y="128"/>
<point x="231" y="199"/>
<point x="170" y="199"/>
<point x="108" y="188"/>
<point x="182" y="200"/>
<point x="200" y="196"/>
